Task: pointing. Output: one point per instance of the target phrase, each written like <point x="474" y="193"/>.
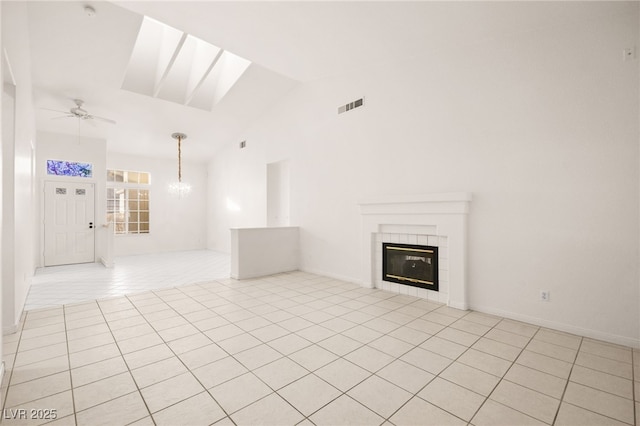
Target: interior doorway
<point x="278" y="204"/>
<point x="69" y="223"/>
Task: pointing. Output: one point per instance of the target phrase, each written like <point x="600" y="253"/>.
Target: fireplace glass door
<point x="410" y="264"/>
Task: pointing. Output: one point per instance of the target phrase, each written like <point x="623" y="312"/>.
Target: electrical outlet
<point x="545" y="295"/>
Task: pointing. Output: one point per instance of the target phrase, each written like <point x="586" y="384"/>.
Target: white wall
<point x="175" y="224"/>
<point x="3" y="72"/>
<point x="541" y="127"/>
<point x="237" y="188"/>
<point x="278" y="204"/>
<point x="256" y="252"/>
<point x="8" y="195"/>
<point x="18" y="179"/>
<point x="55" y="146"/>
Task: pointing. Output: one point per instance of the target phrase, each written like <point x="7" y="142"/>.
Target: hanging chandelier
<point x="179" y="188"/>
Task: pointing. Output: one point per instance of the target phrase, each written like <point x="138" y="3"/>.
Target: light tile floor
<point x="298" y="348"/>
<point x="60" y="285"/>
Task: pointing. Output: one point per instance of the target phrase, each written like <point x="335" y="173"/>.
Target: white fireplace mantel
<point x="437" y="214"/>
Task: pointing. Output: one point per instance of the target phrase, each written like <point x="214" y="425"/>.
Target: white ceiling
<point x="77" y="56"/>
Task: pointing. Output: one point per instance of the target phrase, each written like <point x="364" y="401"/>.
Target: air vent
<point x="351" y="105"/>
<point x="243" y="144"/>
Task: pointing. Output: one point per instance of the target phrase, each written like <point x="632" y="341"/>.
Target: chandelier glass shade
<point x="179" y="188"/>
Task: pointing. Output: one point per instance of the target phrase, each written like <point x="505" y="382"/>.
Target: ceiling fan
<point x="80" y="113"/>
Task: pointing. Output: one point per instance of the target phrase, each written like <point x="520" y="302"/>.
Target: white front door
<point x="69" y="224"/>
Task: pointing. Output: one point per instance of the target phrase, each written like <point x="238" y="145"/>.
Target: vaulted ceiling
<point x="75" y="55"/>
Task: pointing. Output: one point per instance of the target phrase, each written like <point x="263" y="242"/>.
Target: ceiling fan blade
<point x="64" y="116"/>
<point x="55" y="110"/>
<point x="103" y="119"/>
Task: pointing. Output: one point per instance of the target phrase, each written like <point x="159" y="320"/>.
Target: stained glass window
<point x="69" y="168"/>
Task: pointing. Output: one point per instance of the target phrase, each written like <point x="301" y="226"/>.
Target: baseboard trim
<point x="567" y="328"/>
<point x="106" y="263"/>
<point x="11" y="329"/>
<point x="260" y="275"/>
<point x="554" y="325"/>
<point x="461" y="306"/>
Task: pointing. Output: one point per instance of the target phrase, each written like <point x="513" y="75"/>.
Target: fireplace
<point x="438" y="220"/>
<point x="409" y="264"/>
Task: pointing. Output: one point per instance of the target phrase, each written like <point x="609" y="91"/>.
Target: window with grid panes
<point x="128" y="201"/>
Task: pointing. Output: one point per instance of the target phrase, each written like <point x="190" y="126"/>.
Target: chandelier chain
<point x="179" y="159"/>
<point x="178" y="188"/>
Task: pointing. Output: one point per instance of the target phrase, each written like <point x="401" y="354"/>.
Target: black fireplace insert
<point x="410" y="264"/>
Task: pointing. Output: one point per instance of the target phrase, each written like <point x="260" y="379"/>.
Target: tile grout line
<point x="374" y="373"/>
<point x="633" y="386"/>
<point x="274" y="391"/>
<point x="382" y="334"/>
<point x="435" y="376"/>
<point x="298" y="315"/>
<point x="501" y="378"/>
<point x="20" y="329"/>
<point x="179" y="359"/>
<point x="417" y="345"/>
<point x="290" y="332"/>
<point x="371" y="374"/>
<point x="465" y="351"/>
<point x="66" y="340"/>
<point x="600" y="390"/>
<point x="13" y="365"/>
<point x="388" y="334"/>
<point x="566" y="385"/>
<point x="471" y="347"/>
<point x="128" y="369"/>
<point x="287" y="356"/>
<point x="414" y="394"/>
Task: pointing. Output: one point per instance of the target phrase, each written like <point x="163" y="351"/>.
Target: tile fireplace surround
<point x="435" y="219"/>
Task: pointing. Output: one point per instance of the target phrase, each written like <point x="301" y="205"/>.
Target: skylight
<point x="169" y="64"/>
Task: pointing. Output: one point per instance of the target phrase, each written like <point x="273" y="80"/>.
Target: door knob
<point x="90" y="225"/>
